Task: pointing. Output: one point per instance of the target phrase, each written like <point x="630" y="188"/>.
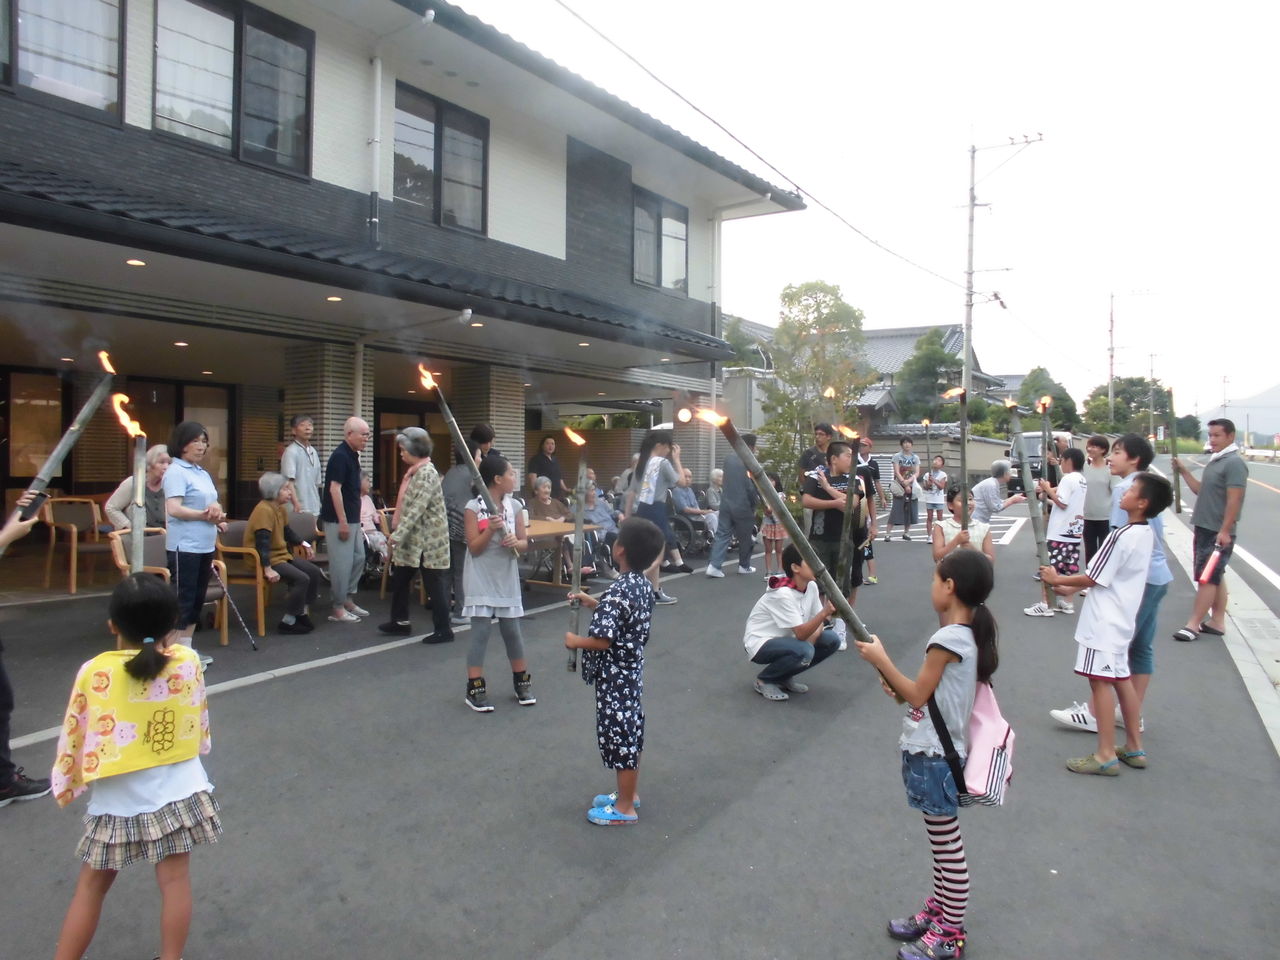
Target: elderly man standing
<point x="1219" y="500"/>
<point x="737" y="514"/>
<point x="301" y="464"/>
<point x="341" y="514"/>
<point x="987" y="501"/>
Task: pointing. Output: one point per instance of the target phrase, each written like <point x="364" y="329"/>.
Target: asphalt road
<point x="369" y="814"/>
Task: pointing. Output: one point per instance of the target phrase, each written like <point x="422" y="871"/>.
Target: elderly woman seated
<point x="268" y="533"/>
<point x="117" y="506"/>
<point x="543" y="506"/>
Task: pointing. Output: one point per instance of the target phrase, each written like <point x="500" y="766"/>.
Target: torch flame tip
<point x="131" y="426"/>
<point x="576" y="437"/>
<point x="713" y="418"/>
<point x="847" y="432"/>
<point x="104" y="358"/>
<point x="425" y="378"/>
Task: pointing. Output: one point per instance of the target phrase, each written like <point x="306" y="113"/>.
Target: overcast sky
<point x="1156" y="179"/>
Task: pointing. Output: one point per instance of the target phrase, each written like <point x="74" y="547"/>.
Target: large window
<point x="69" y="49"/>
<point x="440" y="160"/>
<point x="237" y="78"/>
<point x="661" y="242"/>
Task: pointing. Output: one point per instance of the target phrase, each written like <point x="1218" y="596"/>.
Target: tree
<point x="1039" y="383"/>
<point x="818" y="349"/>
<point x="920" y="382"/>
<point x="1132" y="406"/>
<point x="1189" y="427"/>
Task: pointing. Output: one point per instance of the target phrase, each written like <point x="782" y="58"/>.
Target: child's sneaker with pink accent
<point x="941" y="941"/>
<point x="914" y="926"/>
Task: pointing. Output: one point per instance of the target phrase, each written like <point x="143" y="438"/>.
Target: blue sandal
<point x="607" y="816"/>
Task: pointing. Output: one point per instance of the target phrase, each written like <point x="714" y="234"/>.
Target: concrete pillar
<point x="492" y="395"/>
<point x="320" y="380"/>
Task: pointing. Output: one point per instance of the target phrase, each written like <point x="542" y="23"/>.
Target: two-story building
<point x="269" y="208"/>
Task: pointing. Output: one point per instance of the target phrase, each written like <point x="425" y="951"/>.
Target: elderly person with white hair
<point x="340" y="511"/>
<point x="987" y="493"/>
<point x="268" y="534"/>
<point x="420" y="540"/>
<point x="117" y="506"/>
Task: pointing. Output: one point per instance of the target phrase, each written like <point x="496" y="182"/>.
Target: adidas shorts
<point x="1102" y="664"/>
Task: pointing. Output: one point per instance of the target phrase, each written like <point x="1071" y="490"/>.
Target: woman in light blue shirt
<point x="195" y="517"/>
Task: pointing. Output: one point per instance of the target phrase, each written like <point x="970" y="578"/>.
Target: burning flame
<point x="105" y="359"/>
<point x="713" y="418"/>
<point x="425" y="377"/>
<point x="118" y="400"/>
<point x="925" y="422"/>
<point x="1046" y="401"/>
<point x="1010" y="403"/>
<point x="953" y="393"/>
<point x="847" y="432"/>
<point x="577" y="438"/>
<point x="829" y="393"/>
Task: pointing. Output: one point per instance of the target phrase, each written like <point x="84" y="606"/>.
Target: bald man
<point x="341" y="514"/>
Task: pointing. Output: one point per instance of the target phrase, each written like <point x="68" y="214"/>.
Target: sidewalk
<point x="369" y="813"/>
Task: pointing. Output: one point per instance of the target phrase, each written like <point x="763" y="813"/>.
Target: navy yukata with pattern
<point x="622" y="617"/>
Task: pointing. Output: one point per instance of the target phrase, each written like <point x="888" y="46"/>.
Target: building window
<point x="237" y="78"/>
<point x="6" y="43"/>
<point x="661" y="242"/>
<point x="440" y="160"/>
<point x="69" y="49"/>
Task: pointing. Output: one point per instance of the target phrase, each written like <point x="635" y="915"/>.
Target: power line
<point x="799" y="189"/>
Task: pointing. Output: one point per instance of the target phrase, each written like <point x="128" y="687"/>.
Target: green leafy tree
<point x="1132" y="406"/>
<point x="1039" y="383"/>
<point x="920" y="382"/>
<point x="1189" y="427"/>
<point x="820" y="368"/>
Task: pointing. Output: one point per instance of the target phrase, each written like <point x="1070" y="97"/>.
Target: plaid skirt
<point x="111" y="842"/>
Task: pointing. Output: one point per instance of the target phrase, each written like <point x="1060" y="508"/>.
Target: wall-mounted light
<point x="181" y="343"/>
<point x="334" y="299"/>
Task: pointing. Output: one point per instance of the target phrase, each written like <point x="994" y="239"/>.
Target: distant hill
<point x="1261" y="412"/>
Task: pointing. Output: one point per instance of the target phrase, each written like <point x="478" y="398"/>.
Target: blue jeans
<point x="733" y="523"/>
<point x="786" y="656"/>
<point x="1141" y="655"/>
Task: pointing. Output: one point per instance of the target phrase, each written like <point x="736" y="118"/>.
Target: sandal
<point x="1211" y="631"/>
<point x="1133" y="758"/>
<point x="607" y="816"/>
<point x="770" y="691"/>
<point x="1185" y="635"/>
<point x="1091" y="764"/>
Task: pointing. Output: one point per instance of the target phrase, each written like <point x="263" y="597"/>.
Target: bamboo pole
<point x="1033" y="505"/>
<point x="579" y="518"/>
<point x="1173" y="452"/>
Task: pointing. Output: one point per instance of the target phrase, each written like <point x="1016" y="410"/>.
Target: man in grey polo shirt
<point x="1219" y="500"/>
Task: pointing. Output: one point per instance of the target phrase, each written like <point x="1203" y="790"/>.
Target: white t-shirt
<point x="1067" y="525"/>
<point x="144" y="791"/>
<point x="1120" y="570"/>
<point x="778" y="613"/>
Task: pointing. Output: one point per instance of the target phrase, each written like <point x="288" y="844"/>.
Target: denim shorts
<point x="930" y="785"/>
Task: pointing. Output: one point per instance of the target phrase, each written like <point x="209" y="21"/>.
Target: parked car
<point x="1033" y="443"/>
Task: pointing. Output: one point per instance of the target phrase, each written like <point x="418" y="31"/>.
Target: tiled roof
<point x="553" y="306"/>
<point x="888" y="350"/>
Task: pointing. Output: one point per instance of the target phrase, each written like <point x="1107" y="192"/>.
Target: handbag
<point x="987" y="770"/>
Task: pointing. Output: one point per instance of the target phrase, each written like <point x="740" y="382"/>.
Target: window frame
<point x="244" y="14"/>
<point x="436" y="218"/>
<point x="62" y="103"/>
<point x="657" y="202"/>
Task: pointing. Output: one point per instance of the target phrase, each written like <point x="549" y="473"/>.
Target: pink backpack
<point x="989" y="766"/>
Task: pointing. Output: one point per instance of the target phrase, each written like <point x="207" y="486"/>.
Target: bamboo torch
<point x="459" y="444"/>
<point x="845" y="561"/>
<point x="1033" y="506"/>
<point x="771" y="497"/>
<point x="69" y="439"/>
<point x="1173" y="452"/>
<point x="1046" y="433"/>
<point x="953" y="394"/>
<point x="928" y="450"/>
<point x="138" y="506"/>
<point x="579" y="518"/>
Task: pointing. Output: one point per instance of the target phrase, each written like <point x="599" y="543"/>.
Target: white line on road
<point x="1012" y="531"/>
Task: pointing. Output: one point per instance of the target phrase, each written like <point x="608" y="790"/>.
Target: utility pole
<point x="1151" y="403"/>
<point x="1224" y="396"/>
<point x="1111" y="363"/>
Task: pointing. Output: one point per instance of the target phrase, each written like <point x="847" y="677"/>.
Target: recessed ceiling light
<point x="477" y="323"/>
<point x="584" y="344"/>
<point x="413" y="391"/>
<point x="334" y="299"/>
<point x="135" y="262"/>
<point x="600" y="394"/>
<point x="207" y="373"/>
<point x="68" y="359"/>
<point x="665" y="360"/>
<point x="528" y="384"/>
<point x="181" y="343"/>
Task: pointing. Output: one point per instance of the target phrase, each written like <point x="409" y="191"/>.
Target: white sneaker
<point x="841" y="629"/>
<point x="714" y="572"/>
<point x="1040" y="609"/>
<point x="1065" y="606"/>
<point x="1142" y="724"/>
<point x="358" y="610"/>
<point x="746" y="570"/>
<point x="1077" y="717"/>
<point x="346" y="617"/>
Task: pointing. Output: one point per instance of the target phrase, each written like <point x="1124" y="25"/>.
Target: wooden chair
<point x="80" y="519"/>
<point x="304" y="527"/>
<point x="155" y="560"/>
<point x="232" y="553"/>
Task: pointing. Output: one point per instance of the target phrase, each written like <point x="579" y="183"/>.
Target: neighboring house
<point x="269" y="208"/>
<point x="1012" y="385"/>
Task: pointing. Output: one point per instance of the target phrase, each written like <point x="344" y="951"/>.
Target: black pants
<point x="436" y="583"/>
<point x="6" y="712"/>
<point x="1095" y="531"/>
<point x="457" y="557"/>
<point x="303" y="579"/>
<point x="190" y="573"/>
